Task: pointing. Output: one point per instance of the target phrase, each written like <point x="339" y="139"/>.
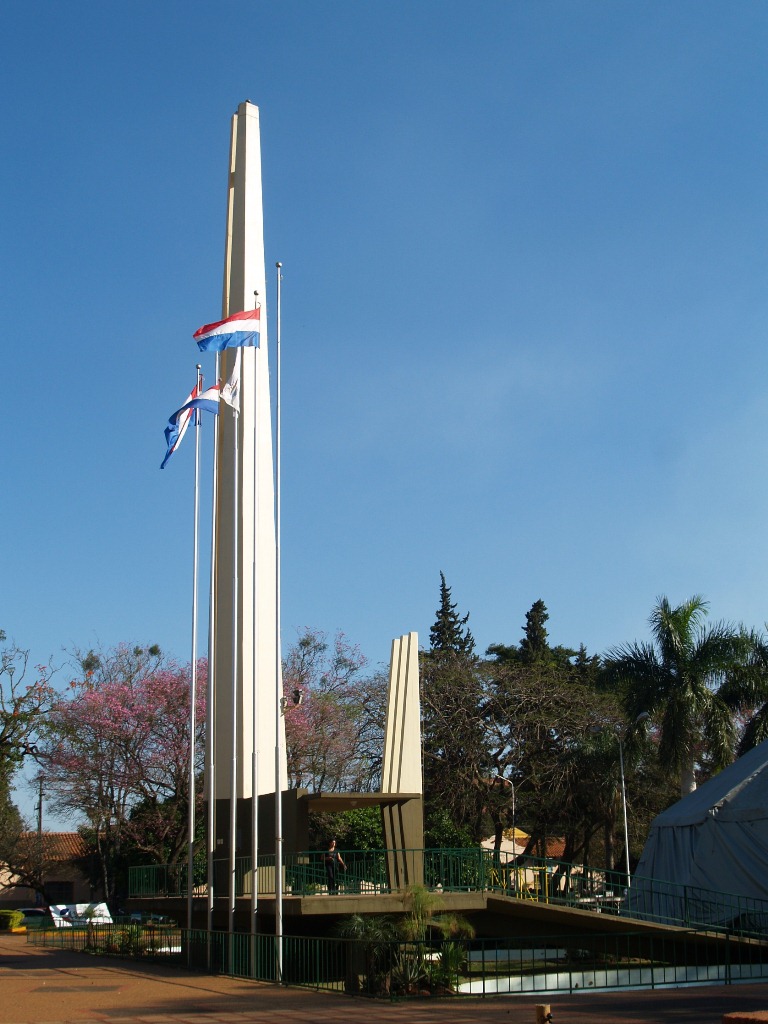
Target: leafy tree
<point x="542" y="701"/>
<point x="359" y="829"/>
<point x="11" y="823"/>
<point x="691" y="680"/>
<point x="594" y="799"/>
<point x="117" y="751"/>
<point x="442" y="831"/>
<point x="423" y="915"/>
<point x="453" y="725"/>
<point x="374" y="936"/>
<point x="26" y="696"/>
<point x="455" y="744"/>
<point x="334" y="737"/>
<point x="11" y="835"/>
<point x="752" y="716"/>
<point x="539" y="718"/>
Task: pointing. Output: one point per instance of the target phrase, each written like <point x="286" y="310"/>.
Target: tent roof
<point x="737" y="793"/>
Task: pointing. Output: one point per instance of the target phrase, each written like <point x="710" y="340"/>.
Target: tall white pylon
<point x="245" y="689"/>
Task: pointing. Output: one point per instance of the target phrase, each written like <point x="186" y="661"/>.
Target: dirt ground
<point x="43" y="986"/>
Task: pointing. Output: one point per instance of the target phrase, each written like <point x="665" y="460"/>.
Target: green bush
<point x="10" y="919"/>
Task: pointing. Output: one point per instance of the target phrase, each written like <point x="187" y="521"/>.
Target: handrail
<point x="374" y="872"/>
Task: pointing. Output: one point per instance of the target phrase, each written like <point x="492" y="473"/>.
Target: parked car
<point x="37" y="917"/>
<point x="148" y="918"/>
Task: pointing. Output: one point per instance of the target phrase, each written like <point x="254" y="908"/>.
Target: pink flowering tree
<point x="117" y="752"/>
<point x="334" y="736"/>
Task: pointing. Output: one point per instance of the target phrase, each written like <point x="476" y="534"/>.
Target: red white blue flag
<point x="207" y="400"/>
<point x="236" y="331"/>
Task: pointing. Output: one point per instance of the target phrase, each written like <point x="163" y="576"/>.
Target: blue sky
<point x="524" y="309"/>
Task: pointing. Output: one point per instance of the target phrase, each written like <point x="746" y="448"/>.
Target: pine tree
<point x="455" y="748"/>
<point x="588" y="667"/>
<point x="535" y="643"/>
<point x="450" y="631"/>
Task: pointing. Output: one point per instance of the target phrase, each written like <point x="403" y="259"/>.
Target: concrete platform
<point x="491" y="913"/>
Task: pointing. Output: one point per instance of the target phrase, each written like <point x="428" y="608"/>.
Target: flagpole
<point x="210" y="716"/>
<point x="255" y="646"/>
<point x="278" y="659"/>
<point x="193" y="668"/>
<point x="233" y="776"/>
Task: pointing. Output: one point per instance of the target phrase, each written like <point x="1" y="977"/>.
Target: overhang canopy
<point x="321" y="802"/>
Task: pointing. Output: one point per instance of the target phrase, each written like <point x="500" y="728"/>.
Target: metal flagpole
<point x="210" y="717"/>
<point x="233" y="778"/>
<point x="278" y="660"/>
<point x="193" y="668"/>
<point x="255" y="716"/>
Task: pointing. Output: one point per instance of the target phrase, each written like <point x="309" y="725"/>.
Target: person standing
<point x="333" y="861"/>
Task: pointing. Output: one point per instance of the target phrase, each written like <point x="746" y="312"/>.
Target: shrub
<point x="10" y="919"/>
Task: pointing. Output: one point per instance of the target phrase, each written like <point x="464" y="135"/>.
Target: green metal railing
<point x="544" y="965"/>
<point x="695" y="907"/>
<point x="129" y="939"/>
<point x="371" y="872"/>
<point x="160" y="880"/>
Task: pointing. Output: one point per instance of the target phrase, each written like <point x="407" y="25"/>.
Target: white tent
<point x="706" y="857"/>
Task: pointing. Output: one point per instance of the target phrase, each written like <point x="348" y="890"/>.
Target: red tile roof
<point x="555" y="847"/>
<point x="61" y="846"/>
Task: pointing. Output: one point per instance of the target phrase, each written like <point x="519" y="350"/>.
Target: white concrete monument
<point x="401" y="766"/>
<point x="245" y="669"/>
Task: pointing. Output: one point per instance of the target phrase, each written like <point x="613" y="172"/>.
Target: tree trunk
<point x="106" y="876"/>
<point x="609" y="846"/>
<point x="687" y="781"/>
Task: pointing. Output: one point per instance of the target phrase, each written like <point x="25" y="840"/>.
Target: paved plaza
<point x="44" y="986"/>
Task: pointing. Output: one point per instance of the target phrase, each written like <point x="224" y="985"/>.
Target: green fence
<point x="370" y="872"/>
<point x="129" y="939"/>
<point x="694" y="907"/>
<point x="541" y="965"/>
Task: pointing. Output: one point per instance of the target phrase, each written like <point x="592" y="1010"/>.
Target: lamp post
<point x="624" y="805"/>
<point x="514" y="833"/>
<point x="508" y="782"/>
<point x="642" y="717"/>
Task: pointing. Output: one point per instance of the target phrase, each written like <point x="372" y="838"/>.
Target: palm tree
<point x="756" y="723"/>
<point x="690" y="680"/>
<point x="373" y="935"/>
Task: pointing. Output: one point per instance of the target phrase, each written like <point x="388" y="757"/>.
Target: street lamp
<point x="642" y="717"/>
<point x="508" y="782"/>
<point x="624" y="805"/>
